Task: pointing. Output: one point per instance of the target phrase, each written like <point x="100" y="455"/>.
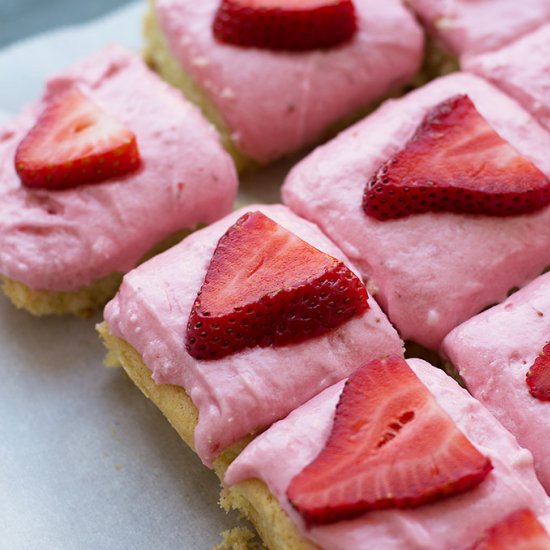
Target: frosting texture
<point x="467" y="27"/>
<point x="526" y="81"/>
<point x="493" y="353"/>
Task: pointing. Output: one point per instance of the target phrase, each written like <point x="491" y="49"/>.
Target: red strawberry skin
<point x="391" y="446"/>
<point x="74" y="142"/>
<point x="457" y="163"/>
<point x="285" y="24"/>
<point x="267" y="287"/>
<point x="538" y="376"/>
<point x="519" y="531"/>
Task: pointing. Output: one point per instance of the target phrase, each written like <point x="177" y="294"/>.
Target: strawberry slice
<point x="538" y="377"/>
<point x="295" y="25"/>
<point x="265" y="286"/>
<point x="519" y="531"/>
<point x="74" y="142"/>
<point x="391" y="446"/>
<point x="456" y="162"/>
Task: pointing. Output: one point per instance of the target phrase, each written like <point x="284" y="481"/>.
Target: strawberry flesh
<point x="519" y="531"/>
<point x="75" y="142"/>
<point x="457" y="163"/>
<point x="285" y="24"/>
<point x="391" y="446"/>
<point x="267" y="287"/>
<point x="538" y="376"/>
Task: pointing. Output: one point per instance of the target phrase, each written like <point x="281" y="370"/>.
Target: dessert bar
<point x="440" y="199"/>
<point x="242" y="322"/>
<point x="109" y="164"/>
<point x="274" y="98"/>
<point x="378" y="464"/>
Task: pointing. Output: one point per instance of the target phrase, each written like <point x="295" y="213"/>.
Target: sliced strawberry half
<point x="456" y="162"/>
<point x="538" y="376"/>
<point x="285" y="24"/>
<point x="265" y="286"/>
<point x="519" y="531"/>
<point x="75" y="142"/>
<point x="391" y="446"/>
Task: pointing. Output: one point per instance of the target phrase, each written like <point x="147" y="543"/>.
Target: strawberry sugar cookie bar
<point x="440" y="198"/>
<point x="398" y="457"/>
<point x="522" y="70"/>
<point x="242" y="322"/>
<point x="275" y="75"/>
<point x="503" y="356"/>
<point x="110" y="163"/>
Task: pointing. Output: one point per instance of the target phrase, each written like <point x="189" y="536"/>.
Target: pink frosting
<point x="430" y="272"/>
<point x="251" y="389"/>
<point x="526" y="81"/>
<point x="277" y="102"/>
<point x="466" y="26"/>
<point x="456" y="522"/>
<point x="65" y="240"/>
<point x="493" y="353"/>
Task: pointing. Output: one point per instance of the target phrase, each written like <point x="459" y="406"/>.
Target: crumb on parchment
<point x="239" y="538"/>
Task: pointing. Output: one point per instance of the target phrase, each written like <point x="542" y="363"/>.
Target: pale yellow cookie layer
<point x="83" y="302"/>
<point x="239" y="538"/>
<point x="172" y="401"/>
<point x="251" y="498"/>
<point x="255" y="502"/>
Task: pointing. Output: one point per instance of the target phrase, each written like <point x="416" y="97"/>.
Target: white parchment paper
<point x="86" y="462"/>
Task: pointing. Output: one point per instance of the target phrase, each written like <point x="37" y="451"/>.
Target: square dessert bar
<point x="258" y="480"/>
<point x="64" y="250"/>
<point x="215" y="403"/>
<point x="430" y="271"/>
<point x="493" y="353"/>
<point x="464" y="27"/>
<point x="269" y="103"/>
<point x="522" y="70"/>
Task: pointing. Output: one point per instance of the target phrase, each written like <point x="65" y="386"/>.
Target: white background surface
<point x="86" y="462"/>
